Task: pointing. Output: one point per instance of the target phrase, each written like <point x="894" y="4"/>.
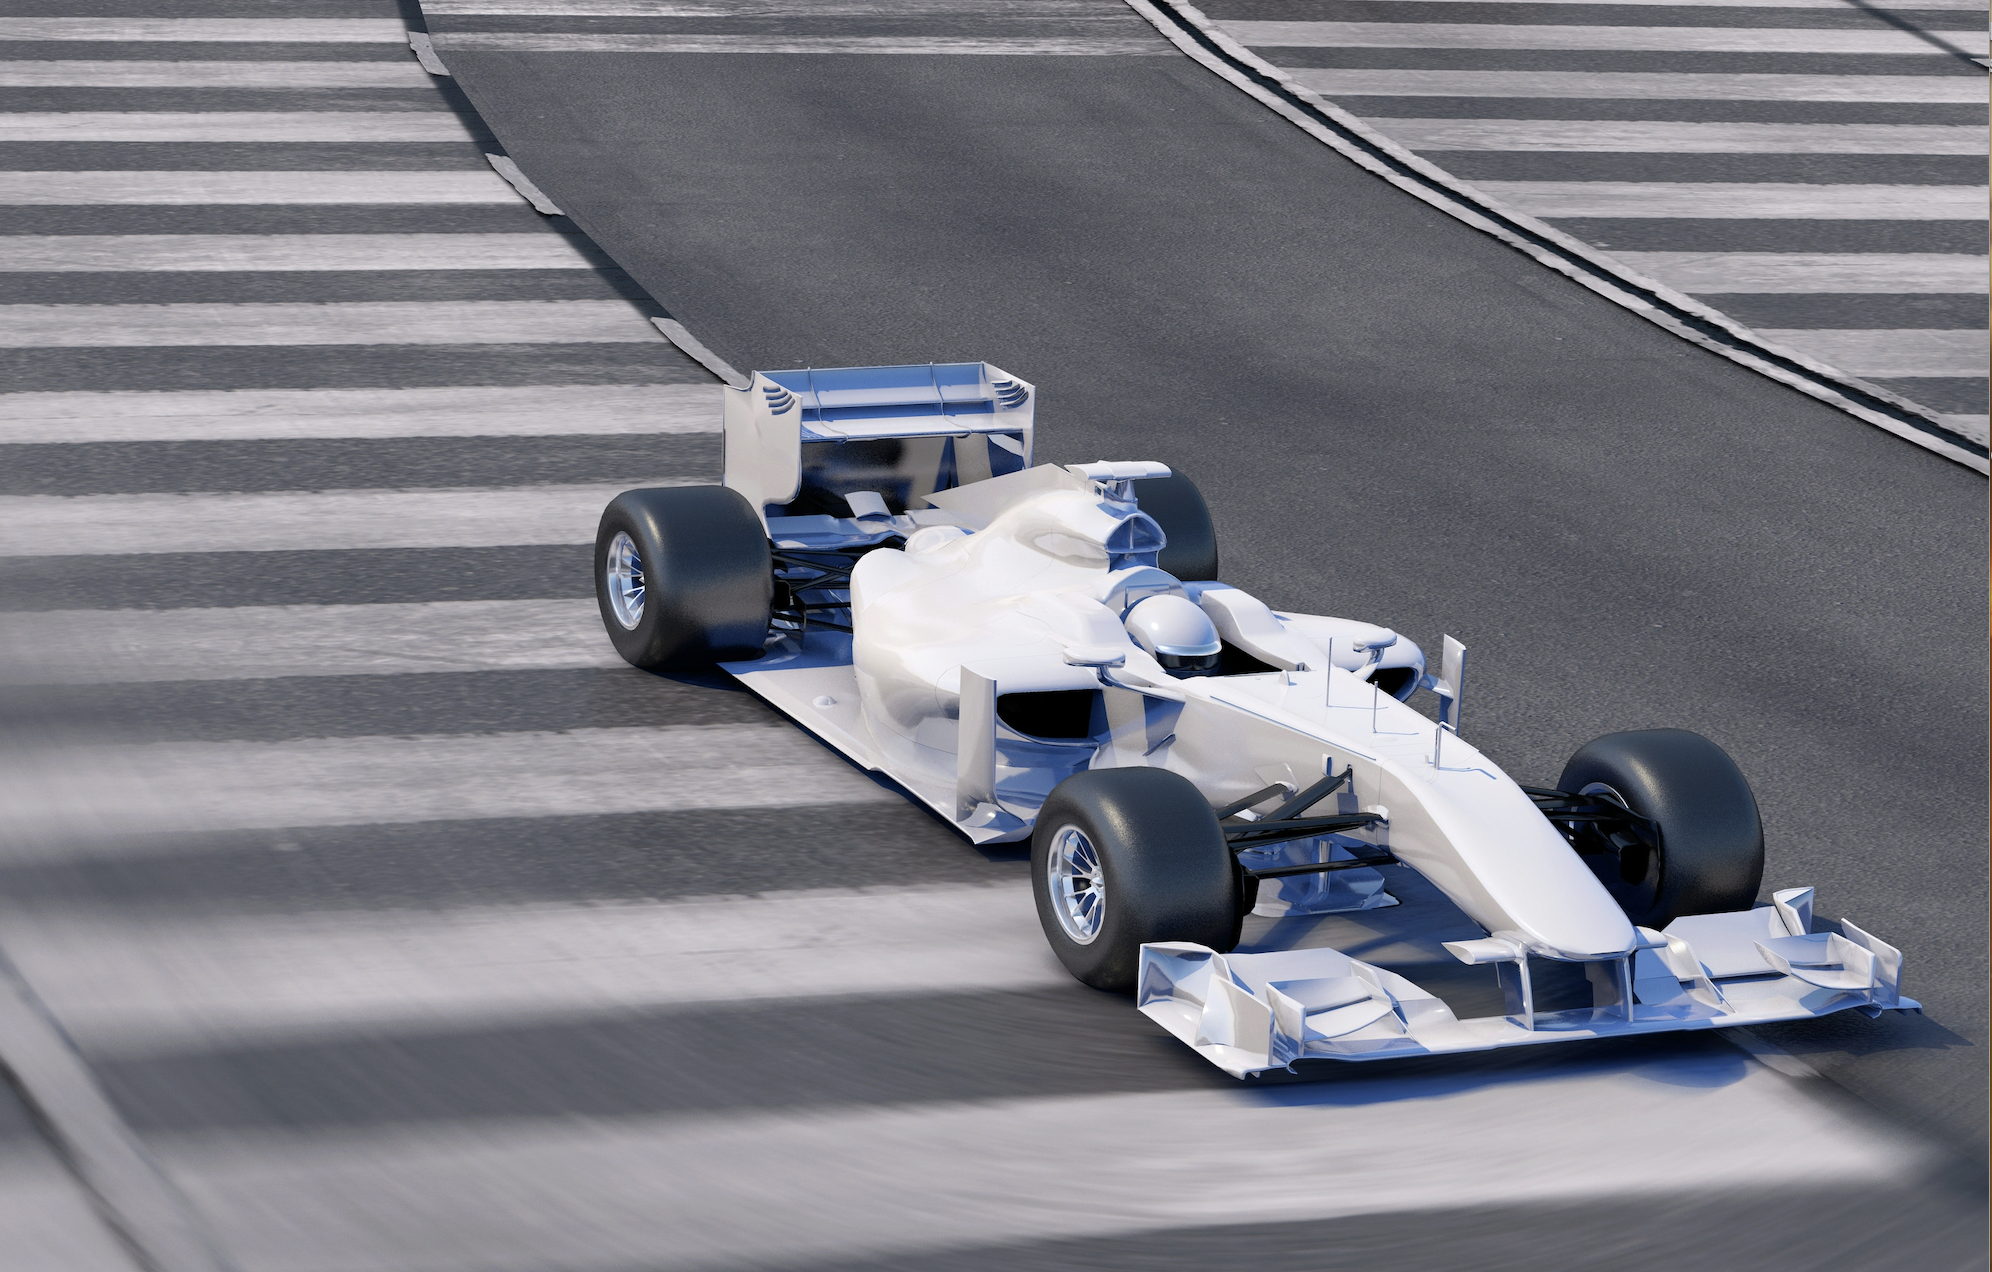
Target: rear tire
<point x="1178" y="507"/>
<point x="1121" y="857"/>
<point x="684" y="577"/>
<point x="1708" y="857"/>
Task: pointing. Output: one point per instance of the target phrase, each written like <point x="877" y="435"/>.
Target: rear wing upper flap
<point x="797" y="442"/>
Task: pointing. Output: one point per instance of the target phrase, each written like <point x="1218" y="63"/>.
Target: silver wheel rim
<point x="1599" y="788"/>
<point x="1078" y="885"/>
<point x="624" y="572"/>
<point x="1655" y="857"/>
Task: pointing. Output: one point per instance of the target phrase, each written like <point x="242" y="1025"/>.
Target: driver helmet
<point x="1177" y="633"/>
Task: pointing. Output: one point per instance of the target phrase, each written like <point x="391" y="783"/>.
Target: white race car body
<point x="986" y="661"/>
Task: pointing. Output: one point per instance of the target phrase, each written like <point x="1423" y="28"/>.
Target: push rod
<point x="1258" y="796"/>
<point x="1310" y="797"/>
<point x="1320" y="867"/>
<point x="1296" y="827"/>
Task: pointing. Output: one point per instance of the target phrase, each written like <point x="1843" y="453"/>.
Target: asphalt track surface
<point x="308" y="1013"/>
<point x="1390" y="415"/>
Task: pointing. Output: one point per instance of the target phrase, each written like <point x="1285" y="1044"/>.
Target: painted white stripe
<point x="224" y="125"/>
<point x="1628" y="39"/>
<point x="259" y="642"/>
<point x="365" y="323"/>
<point x="400" y="73"/>
<point x="1740" y="200"/>
<point x="252" y="414"/>
<point x="253" y="187"/>
<point x="54" y="525"/>
<point x="1894" y="352"/>
<point x="213" y="30"/>
<point x="867" y="1184"/>
<point x="1683" y="138"/>
<point x="610" y="42"/>
<point x="1710" y="273"/>
<point x="138" y="985"/>
<point x="1976" y="427"/>
<point x="1645" y="85"/>
<point x="87" y="253"/>
<point x="56" y="798"/>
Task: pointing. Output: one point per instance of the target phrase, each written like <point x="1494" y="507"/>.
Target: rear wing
<point x="798" y="442"/>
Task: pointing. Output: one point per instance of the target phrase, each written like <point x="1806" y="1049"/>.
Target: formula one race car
<point x="1045" y="652"/>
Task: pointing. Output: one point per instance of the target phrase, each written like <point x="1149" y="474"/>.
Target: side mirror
<point x="1094" y="656"/>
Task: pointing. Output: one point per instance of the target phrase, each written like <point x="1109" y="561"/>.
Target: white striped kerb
<point x="212" y="30"/>
<point x="1622" y="39"/>
<point x="73" y="253"/>
<point x="222" y="125"/>
<point x="262" y="642"/>
<point x="1740" y="200"/>
<point x="1895" y="351"/>
<point x="402" y="72"/>
<point x="299" y="977"/>
<point x="259" y="414"/>
<point x="1673" y="137"/>
<point x="1796" y="272"/>
<point x="55" y="798"/>
<point x="1651" y="85"/>
<point x="345" y="323"/>
<point x="56" y="525"/>
<point x="277" y="187"/>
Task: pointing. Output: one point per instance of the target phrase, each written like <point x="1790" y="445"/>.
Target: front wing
<point x="1250" y="1013"/>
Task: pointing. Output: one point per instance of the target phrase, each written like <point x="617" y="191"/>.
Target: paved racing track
<point x="478" y="950"/>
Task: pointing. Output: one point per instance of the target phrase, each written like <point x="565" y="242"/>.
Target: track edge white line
<point x="693" y="348"/>
<point x="148" y="1213"/>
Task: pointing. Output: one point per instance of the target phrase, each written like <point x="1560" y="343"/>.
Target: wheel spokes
<point x="624" y="580"/>
<point x="1077" y="885"/>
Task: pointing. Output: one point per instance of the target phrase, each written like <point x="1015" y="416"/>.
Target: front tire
<point x="1120" y="857"/>
<point x="1708" y="854"/>
<point x="684" y="577"/>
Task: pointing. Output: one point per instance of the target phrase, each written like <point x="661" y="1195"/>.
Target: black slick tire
<point x="706" y="573"/>
<point x="1178" y="507"/>
<point x="1168" y="873"/>
<point x="1708" y="854"/>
